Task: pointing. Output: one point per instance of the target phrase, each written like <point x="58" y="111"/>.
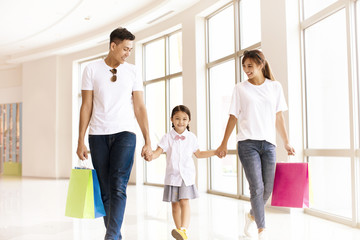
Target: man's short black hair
<point x="120" y="34"/>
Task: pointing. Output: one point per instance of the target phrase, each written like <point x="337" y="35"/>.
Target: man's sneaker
<point x="179" y="234"/>
<point x="263" y="235"/>
<point x="248" y="223"/>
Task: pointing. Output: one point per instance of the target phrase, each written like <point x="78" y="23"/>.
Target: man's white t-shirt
<point x="255" y="107"/>
<point x="113" y="109"/>
<point x="179" y="162"/>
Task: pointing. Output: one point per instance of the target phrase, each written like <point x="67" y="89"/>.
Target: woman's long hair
<point x="259" y="59"/>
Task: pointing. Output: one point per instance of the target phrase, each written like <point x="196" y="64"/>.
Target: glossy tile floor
<point x="33" y="209"/>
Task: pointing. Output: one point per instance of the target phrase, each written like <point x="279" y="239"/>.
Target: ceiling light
<point x="156" y="19"/>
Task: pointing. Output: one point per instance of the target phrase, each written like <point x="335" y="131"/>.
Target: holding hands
<point x="221" y="151"/>
<point x="147" y="152"/>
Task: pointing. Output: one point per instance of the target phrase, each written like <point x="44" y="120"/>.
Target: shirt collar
<point x="173" y="133"/>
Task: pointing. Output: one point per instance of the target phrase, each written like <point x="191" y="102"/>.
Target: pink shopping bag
<point x="291" y="185"/>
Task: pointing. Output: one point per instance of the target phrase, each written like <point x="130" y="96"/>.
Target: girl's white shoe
<point x="248" y="223"/>
<point x="263" y="235"/>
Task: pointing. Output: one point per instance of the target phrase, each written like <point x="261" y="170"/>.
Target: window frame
<point x="353" y="152"/>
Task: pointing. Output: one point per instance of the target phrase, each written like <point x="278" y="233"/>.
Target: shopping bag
<point x="84" y="195"/>
<point x="12" y="169"/>
<point x="291" y="185"/>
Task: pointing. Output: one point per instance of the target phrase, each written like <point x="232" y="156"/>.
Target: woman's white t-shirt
<point x="113" y="109"/>
<point x="255" y="107"/>
<point x="179" y="162"/>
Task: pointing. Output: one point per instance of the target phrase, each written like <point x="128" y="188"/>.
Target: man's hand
<point x="82" y="152"/>
<point x="147" y="152"/>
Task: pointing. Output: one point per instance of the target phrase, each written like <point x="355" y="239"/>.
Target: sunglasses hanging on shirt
<point x="113" y="77"/>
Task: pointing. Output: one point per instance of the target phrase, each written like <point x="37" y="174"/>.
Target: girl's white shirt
<point x="179" y="162"/>
<point x="113" y="109"/>
<point x="255" y="107"/>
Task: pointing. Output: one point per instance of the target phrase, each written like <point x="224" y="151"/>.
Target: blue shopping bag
<point x="84" y="195"/>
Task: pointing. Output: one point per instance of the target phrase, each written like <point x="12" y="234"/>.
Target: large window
<point x="163" y="91"/>
<point x="332" y="107"/>
<point x="231" y="30"/>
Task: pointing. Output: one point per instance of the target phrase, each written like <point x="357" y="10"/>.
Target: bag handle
<point x="83" y="164"/>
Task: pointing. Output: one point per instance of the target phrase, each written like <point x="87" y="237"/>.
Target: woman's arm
<point x="280" y="126"/>
<point x="222" y="149"/>
<point x="204" y="154"/>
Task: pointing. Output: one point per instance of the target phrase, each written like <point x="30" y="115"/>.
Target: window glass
<point x="175" y="95"/>
<point x="221" y="85"/>
<point x="330" y="185"/>
<point x="155" y="104"/>
<point x="155" y="59"/>
<point x="221" y="34"/>
<point x="313" y="6"/>
<point x="175" y="52"/>
<point x="327" y="94"/>
<point x="224" y="174"/>
<point x="155" y="170"/>
<point x="250" y="22"/>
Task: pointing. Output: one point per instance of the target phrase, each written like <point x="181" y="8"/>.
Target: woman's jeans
<point x="258" y="159"/>
<point x="113" y="157"/>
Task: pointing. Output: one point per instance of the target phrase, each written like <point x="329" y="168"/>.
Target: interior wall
<point x="39" y="94"/>
<point x="10" y="85"/>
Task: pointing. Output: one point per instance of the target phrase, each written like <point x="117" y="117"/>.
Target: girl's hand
<point x="221" y="151"/>
<point x="290" y="150"/>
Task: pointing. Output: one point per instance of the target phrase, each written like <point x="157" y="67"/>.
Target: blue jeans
<point x="258" y="159"/>
<point x="113" y="157"/>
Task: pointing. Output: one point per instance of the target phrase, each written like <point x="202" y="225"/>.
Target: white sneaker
<point x="263" y="235"/>
<point x="248" y="223"/>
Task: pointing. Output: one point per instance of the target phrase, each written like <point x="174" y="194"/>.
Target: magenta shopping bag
<point x="291" y="185"/>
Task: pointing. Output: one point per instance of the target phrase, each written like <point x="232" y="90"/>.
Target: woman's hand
<point x="290" y="150"/>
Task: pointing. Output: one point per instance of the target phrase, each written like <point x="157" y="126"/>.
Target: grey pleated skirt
<point x="174" y="193"/>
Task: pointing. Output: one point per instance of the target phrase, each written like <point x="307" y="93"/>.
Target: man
<point x="112" y="98"/>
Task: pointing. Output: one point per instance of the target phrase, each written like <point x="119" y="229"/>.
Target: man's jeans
<point x="113" y="157"/>
<point x="258" y="159"/>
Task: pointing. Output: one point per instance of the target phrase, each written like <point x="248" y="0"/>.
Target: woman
<point x="258" y="104"/>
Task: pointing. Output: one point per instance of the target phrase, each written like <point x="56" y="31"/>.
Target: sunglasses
<point x="252" y="54"/>
<point x="113" y="77"/>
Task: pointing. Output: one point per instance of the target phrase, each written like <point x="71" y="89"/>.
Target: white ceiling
<point x="36" y="28"/>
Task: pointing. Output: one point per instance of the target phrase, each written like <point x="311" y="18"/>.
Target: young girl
<point x="179" y="145"/>
<point x="258" y="104"/>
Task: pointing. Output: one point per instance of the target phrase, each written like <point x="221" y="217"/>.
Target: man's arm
<point x="85" y="114"/>
<point x="142" y="119"/>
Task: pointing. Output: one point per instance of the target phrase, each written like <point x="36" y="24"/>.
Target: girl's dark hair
<point x="181" y="108"/>
<point x="120" y="34"/>
<point x="259" y="59"/>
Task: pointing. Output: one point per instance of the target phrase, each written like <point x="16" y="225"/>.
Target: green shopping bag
<point x="84" y="195"/>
